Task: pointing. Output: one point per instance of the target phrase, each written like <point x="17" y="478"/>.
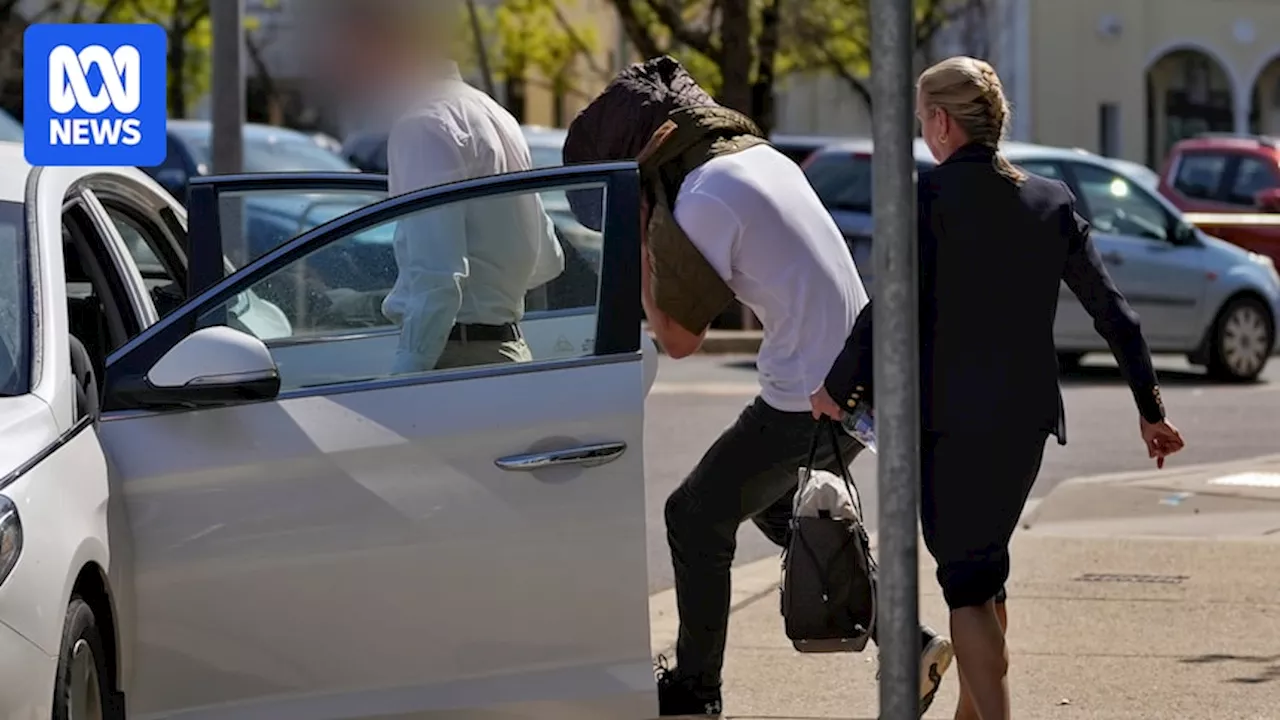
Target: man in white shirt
<point x="754" y="217"/>
<point x="464" y="268"/>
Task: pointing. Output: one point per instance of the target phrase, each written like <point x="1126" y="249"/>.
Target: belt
<point x="509" y="332"/>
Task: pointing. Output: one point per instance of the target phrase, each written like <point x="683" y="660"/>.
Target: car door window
<point x="1252" y="177"/>
<point x="255" y="222"/>
<point x="1117" y="206"/>
<point x="454" y="297"/>
<point x="1199" y="174"/>
<point x="1050" y="170"/>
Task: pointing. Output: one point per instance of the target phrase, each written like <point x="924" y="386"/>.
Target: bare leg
<point x="965" y="709"/>
<point x="981" y="653"/>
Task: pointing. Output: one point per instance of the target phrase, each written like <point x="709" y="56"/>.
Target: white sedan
<point x="217" y="500"/>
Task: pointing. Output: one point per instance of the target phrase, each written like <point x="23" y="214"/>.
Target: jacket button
<point x="852" y="403"/>
<point x="859" y="388"/>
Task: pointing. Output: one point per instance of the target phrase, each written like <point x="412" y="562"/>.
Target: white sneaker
<point x="934" y="661"/>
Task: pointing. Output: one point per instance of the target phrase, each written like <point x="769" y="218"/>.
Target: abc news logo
<point x="69" y="92"/>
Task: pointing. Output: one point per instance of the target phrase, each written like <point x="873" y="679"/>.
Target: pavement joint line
<point x="1128" y="475"/>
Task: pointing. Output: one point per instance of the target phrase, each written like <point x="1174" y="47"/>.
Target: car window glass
<point x="255" y="222"/>
<point x="1118" y="206"/>
<point x="1200" y="175"/>
<point x="1252" y="177"/>
<point x="332" y="316"/>
<point x="1043" y="169"/>
<point x="843" y="180"/>
<point x="13" y="301"/>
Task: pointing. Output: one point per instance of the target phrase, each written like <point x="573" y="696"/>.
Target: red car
<point x="1229" y="186"/>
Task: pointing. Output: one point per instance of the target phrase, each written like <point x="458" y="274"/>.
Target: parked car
<point x="10" y="129"/>
<point x="1228" y="185"/>
<point x="266" y="149"/>
<point x="1196" y="294"/>
<point x="221" y="523"/>
<point x="368" y="150"/>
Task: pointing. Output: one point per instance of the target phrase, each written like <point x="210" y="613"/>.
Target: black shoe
<point x="679" y="696"/>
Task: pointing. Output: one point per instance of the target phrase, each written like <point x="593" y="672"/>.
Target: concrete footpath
<point x="1136" y="596"/>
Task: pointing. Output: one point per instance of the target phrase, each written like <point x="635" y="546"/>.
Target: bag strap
<point x="829" y="426"/>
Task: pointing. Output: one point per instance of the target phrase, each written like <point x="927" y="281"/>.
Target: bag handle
<point x="829" y="426"/>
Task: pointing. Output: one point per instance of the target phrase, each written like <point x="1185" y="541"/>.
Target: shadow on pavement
<point x="1268" y="672"/>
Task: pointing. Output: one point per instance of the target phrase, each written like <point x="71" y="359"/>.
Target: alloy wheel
<point x="1245" y="341"/>
<point x="85" y="701"/>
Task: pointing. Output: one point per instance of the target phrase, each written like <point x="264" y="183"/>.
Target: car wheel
<point x="1069" y="361"/>
<point x="1242" y="341"/>
<point x="80" y="691"/>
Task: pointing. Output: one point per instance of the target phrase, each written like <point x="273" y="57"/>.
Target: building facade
<point x="1128" y="78"/>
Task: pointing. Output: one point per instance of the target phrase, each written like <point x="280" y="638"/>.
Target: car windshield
<point x="14" y="318"/>
<point x="843" y="180"/>
<point x="273" y="153"/>
<point x="10" y="129"/>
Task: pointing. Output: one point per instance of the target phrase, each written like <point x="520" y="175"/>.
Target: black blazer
<point x="992" y="257"/>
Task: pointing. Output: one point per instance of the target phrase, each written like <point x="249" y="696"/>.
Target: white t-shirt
<point x="757" y="220"/>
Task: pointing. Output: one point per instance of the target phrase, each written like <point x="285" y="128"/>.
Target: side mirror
<point x="1268" y="200"/>
<point x="1184" y="233"/>
<point x="212" y="367"/>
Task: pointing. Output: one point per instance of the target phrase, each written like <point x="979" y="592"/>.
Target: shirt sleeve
<point x="550" y="262"/>
<point x="431" y="245"/>
<point x="713" y="227"/>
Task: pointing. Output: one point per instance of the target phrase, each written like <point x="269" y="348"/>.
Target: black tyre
<point x="1242" y="341"/>
<point x="80" y="689"/>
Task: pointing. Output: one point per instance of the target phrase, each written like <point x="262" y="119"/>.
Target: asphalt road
<point x="696" y="398"/>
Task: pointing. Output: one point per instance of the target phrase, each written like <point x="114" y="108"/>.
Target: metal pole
<point x="227" y="17"/>
<point x="897" y="360"/>
<point x="227" y="143"/>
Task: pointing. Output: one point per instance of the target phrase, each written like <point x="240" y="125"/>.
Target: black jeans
<point x="750" y="472"/>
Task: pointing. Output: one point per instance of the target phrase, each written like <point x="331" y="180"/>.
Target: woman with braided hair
<point x="995" y="245"/>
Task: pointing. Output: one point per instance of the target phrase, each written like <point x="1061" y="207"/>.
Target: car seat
<point x="86" y="317"/>
<point x="85" y="378"/>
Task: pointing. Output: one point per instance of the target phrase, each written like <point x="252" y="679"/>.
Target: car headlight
<point x="10" y="536"/>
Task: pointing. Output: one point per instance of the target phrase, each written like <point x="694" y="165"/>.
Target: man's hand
<point x="1162" y="440"/>
<point x="824" y="405"/>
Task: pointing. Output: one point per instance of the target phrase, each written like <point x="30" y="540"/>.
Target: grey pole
<point x="897" y="360"/>
<point x="227" y="18"/>
<point x="227" y="144"/>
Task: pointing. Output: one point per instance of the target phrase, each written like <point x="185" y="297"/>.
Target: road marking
<point x="711" y="388"/>
<point x="1249" y="479"/>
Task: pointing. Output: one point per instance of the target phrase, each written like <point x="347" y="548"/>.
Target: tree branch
<point x="669" y="15"/>
<point x="578" y="43"/>
<point x="636" y="30"/>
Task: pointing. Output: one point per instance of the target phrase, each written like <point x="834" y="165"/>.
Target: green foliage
<point x="190" y="32"/>
<point x="536" y="38"/>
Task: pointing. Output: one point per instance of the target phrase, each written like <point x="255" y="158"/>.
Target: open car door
<point x="316" y="535"/>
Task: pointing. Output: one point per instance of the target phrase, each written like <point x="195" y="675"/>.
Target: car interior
<point x="99" y="318"/>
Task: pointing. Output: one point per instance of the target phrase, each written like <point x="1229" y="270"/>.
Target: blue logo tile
<point x="94" y="95"/>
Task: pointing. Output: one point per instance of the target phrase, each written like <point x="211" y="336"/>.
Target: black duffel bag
<point x="828" y="574"/>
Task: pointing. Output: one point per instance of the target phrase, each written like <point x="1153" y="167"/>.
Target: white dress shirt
<point x="463" y="263"/>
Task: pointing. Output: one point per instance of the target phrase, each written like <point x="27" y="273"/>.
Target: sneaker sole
<point x="935" y="660"/>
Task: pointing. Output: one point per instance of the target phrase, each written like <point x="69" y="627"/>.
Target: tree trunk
<point x="763" y="104"/>
<point x="735" y="59"/>
<point x="176" y="65"/>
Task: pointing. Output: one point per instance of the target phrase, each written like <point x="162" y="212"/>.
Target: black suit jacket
<point x="992" y="256"/>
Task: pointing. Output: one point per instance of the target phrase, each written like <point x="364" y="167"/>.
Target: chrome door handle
<point x="583" y="455"/>
<point x="1113" y="258"/>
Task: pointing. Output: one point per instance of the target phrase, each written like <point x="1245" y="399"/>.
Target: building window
<point x="1109" y="129"/>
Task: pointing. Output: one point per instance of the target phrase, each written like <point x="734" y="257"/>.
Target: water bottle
<point x="860" y="424"/>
